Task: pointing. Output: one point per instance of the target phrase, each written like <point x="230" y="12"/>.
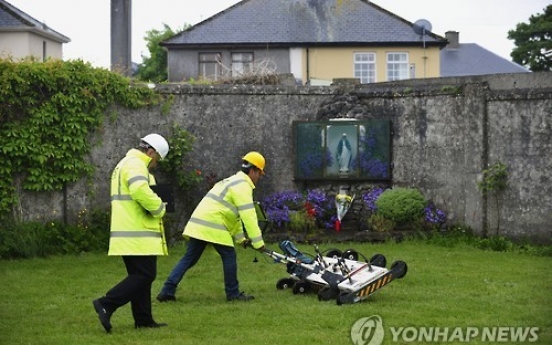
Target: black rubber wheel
<point x="301" y="288"/>
<point x="326" y="293"/>
<point x="285" y="283"/>
<point x="378" y="260"/>
<point x="333" y="253"/>
<point x="339" y="299"/>
<point x="350" y="254"/>
<point x="400" y="267"/>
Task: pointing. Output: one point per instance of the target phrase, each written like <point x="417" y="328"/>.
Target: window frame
<point x="392" y="72"/>
<point x="246" y="65"/>
<point x="204" y="63"/>
<point x="371" y="70"/>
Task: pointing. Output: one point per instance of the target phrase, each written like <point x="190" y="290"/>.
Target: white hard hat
<point x="158" y="143"/>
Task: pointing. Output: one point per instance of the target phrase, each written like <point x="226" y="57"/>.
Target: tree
<point x="533" y="40"/>
<point x="154" y="67"/>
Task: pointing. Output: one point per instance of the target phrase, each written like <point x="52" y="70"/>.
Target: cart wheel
<point x="333" y="253"/>
<point x="340" y="299"/>
<point x="326" y="293"/>
<point x="285" y="283"/>
<point x="378" y="260"/>
<point x="301" y="288"/>
<point x="350" y="254"/>
<point x="400" y="268"/>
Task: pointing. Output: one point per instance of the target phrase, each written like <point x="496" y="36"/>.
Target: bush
<point x="401" y="205"/>
<point x="40" y="239"/>
<point x="379" y="223"/>
<point x="26" y="240"/>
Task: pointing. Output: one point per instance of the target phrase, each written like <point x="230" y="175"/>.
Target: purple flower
<point x="278" y="205"/>
<point x="370" y="198"/>
<point x="434" y="215"/>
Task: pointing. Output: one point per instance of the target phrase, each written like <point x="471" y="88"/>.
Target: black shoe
<point x="165" y="298"/>
<point x="103" y="315"/>
<point x="150" y="325"/>
<point x="241" y="297"/>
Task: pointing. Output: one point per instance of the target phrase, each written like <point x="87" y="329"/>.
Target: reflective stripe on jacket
<point x="219" y="216"/>
<point x="136" y="211"/>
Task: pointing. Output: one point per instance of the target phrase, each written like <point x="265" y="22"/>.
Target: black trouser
<point x="135" y="288"/>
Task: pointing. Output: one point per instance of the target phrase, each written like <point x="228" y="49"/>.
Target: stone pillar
<point x="121" y="40"/>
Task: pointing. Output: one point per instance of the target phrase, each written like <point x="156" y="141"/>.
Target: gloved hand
<point x="246" y="243"/>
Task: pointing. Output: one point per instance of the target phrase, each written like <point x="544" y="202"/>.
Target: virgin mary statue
<point x="344" y="154"/>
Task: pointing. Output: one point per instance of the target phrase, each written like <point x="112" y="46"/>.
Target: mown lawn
<point x="48" y="301"/>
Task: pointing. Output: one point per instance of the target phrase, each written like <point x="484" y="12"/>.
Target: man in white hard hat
<point x="219" y="220"/>
<point x="136" y="232"/>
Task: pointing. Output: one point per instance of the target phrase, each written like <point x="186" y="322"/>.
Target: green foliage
<point x="41" y="239"/>
<point x="494" y="179"/>
<point x="379" y="223"/>
<point x="23" y="240"/>
<point x="461" y="235"/>
<point x="301" y="221"/>
<point x="49" y="112"/>
<point x="451" y="89"/>
<point x="176" y="164"/>
<point x="154" y="67"/>
<point x="401" y="205"/>
<point x="532" y="40"/>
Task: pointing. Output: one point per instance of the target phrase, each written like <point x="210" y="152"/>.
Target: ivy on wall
<point x="48" y="111"/>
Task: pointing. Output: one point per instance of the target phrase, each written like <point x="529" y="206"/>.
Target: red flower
<point x="311" y="212"/>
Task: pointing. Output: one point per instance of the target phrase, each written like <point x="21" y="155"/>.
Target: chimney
<point x="453" y="40"/>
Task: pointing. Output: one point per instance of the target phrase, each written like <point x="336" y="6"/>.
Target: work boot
<point x="241" y="297"/>
<point x="165" y="298"/>
<point x="103" y="315"/>
<point x="153" y="324"/>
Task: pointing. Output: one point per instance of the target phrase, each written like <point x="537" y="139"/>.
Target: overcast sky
<point x="87" y="22"/>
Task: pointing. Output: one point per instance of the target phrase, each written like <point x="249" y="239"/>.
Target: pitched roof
<point x="13" y="19"/>
<point x="463" y="59"/>
<point x="304" y="22"/>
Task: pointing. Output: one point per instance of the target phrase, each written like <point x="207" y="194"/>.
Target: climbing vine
<point x="176" y="164"/>
<point x="495" y="181"/>
<point x="49" y="112"/>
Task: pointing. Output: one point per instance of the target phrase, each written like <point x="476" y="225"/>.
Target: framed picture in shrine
<point x="343" y="149"/>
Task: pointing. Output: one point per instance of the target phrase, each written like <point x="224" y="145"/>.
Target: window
<point x="397" y="66"/>
<point x="346" y="149"/>
<point x="242" y="63"/>
<point x="365" y="67"/>
<point x="210" y="66"/>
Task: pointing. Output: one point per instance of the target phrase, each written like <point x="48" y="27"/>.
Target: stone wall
<point x="446" y="131"/>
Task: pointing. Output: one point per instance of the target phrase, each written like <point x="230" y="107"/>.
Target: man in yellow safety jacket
<point x="219" y="220"/>
<point x="136" y="232"/>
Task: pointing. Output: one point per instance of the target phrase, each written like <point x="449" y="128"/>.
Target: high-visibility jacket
<point x="136" y="211"/>
<point x="219" y="216"/>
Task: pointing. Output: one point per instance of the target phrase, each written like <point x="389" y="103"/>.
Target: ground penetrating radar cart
<point x="333" y="274"/>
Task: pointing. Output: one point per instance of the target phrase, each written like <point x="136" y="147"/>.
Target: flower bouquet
<point x="342" y="203"/>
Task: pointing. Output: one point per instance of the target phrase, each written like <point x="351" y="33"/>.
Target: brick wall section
<point x="442" y="141"/>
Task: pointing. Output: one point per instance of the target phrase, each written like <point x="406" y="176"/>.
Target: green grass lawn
<point x="49" y="301"/>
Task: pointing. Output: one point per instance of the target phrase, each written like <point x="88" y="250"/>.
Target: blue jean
<point x="191" y="257"/>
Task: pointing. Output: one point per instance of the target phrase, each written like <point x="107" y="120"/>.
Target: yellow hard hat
<point x="256" y="159"/>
